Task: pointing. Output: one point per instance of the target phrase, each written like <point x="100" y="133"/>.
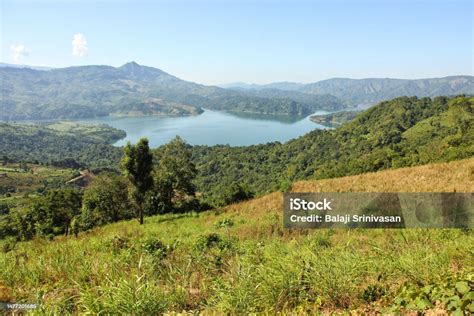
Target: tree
<point x="52" y="214"/>
<point x="137" y="165"/>
<point x="105" y="201"/>
<point x="235" y="193"/>
<point x="175" y="174"/>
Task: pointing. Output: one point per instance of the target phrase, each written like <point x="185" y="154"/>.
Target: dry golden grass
<point x="455" y="176"/>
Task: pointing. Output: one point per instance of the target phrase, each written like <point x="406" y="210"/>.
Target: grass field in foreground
<point x="240" y="260"/>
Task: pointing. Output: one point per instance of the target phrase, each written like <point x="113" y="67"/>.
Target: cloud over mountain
<point x="79" y="45"/>
<point x="18" y="51"/>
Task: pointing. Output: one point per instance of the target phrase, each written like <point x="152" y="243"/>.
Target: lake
<point x="212" y="128"/>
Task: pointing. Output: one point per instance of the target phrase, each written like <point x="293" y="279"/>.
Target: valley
<point x="138" y="90"/>
<point x="236" y="158"/>
<point x="211" y="128"/>
<point x="212" y="239"/>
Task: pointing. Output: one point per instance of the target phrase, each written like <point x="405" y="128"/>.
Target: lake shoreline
<point x="210" y="128"/>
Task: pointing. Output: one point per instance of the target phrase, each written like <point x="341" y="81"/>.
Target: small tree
<point x="175" y="173"/>
<point x="235" y="193"/>
<point x="137" y="165"/>
<point x="52" y="213"/>
<point x="105" y="200"/>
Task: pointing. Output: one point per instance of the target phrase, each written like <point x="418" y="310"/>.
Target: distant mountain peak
<point x="134" y="69"/>
<point x="130" y="64"/>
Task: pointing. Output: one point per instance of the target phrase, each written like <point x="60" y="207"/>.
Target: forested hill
<point x="369" y="91"/>
<point x="132" y="89"/>
<point x="401" y="132"/>
<point x="373" y="90"/>
<point x="63" y="144"/>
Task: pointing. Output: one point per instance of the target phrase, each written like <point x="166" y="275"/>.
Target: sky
<point x="215" y="42"/>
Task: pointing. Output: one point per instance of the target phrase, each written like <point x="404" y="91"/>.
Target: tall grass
<point x="200" y="262"/>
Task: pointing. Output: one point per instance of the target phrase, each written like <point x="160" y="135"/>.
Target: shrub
<point x="156" y="248"/>
<point x="455" y="294"/>
<point x="213" y="240"/>
<point x="234" y="193"/>
<point x="224" y="223"/>
<point x="118" y="243"/>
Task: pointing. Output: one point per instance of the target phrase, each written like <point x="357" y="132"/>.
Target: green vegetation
<point x="109" y="198"/>
<point x="397" y="133"/>
<point x="334" y="119"/>
<point x="73" y="250"/>
<point x="173" y="185"/>
<point x="453" y="293"/>
<point x="105" y="201"/>
<point x="364" y="92"/>
<point x="401" y="132"/>
<point x="62" y="144"/>
<point x="137" y="165"/>
<point x="17" y="179"/>
<point x="240" y="260"/>
<point x="287" y="103"/>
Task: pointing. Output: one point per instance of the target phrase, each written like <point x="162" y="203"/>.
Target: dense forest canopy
<point x="60" y="144"/>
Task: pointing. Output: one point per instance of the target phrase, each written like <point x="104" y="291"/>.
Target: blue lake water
<point x="212" y="128"/>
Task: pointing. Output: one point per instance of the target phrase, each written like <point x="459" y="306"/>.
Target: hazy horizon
<point x="235" y="82"/>
<point x="221" y="42"/>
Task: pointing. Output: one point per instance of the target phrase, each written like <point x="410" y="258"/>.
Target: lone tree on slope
<point x="137" y="165"/>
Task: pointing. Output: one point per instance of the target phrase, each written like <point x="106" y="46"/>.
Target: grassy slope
<point x="254" y="265"/>
<point x="442" y="177"/>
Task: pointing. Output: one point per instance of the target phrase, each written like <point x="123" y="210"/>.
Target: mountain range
<point x="25" y="66"/>
<point x="366" y="92"/>
<point x="133" y="89"/>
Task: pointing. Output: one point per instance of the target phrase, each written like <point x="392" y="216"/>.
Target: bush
<point x="234" y="193"/>
<point x="105" y="201"/>
<point x="226" y="222"/>
<point x="156" y="248"/>
<point x="213" y="240"/>
<point x="455" y="294"/>
<point x="119" y="243"/>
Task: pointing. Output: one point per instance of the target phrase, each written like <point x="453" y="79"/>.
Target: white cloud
<point x="18" y="51"/>
<point x="79" y="45"/>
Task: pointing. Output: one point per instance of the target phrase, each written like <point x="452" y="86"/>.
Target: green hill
<point x="397" y="133"/>
<point x="61" y="143"/>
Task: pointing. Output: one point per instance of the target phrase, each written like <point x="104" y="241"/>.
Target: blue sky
<point x="215" y="42"/>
